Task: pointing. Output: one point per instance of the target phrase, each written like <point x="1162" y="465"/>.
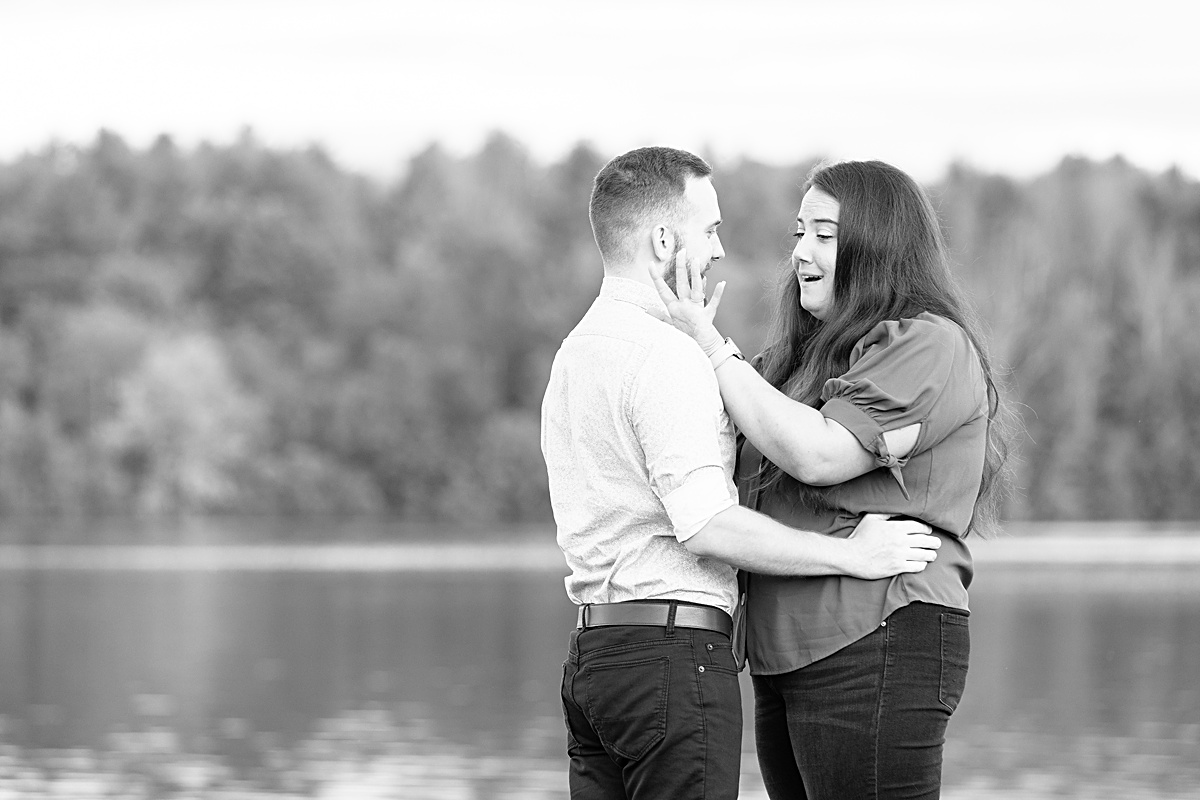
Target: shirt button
<point x="702" y="669"/>
<point x="708" y="646"/>
<point x="883" y="624"/>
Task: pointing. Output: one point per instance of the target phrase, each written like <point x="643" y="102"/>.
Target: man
<point x="640" y="457"/>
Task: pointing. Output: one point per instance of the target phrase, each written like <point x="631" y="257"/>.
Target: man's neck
<point x="636" y="271"/>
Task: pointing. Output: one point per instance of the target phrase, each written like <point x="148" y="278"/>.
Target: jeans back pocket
<point x="627" y="704"/>
<point x="956" y="653"/>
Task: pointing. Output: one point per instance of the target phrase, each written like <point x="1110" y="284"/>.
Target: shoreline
<point x="1059" y="548"/>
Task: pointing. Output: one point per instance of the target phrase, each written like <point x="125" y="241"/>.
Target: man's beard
<point x="669" y="272"/>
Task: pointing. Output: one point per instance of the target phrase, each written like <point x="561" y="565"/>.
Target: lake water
<point x="221" y="680"/>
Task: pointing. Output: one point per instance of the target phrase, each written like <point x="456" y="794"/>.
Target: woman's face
<point x="815" y="253"/>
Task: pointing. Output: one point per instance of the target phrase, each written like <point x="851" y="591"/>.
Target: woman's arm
<point x="794" y="436"/>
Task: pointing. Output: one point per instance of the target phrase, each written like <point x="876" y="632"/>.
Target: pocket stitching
<point x="630" y="647"/>
<point x="962" y="621"/>
<point x="711" y="662"/>
<point x="563" y="699"/>
<point x="660" y="709"/>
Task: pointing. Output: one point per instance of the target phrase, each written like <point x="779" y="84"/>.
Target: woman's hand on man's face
<point x="686" y="305"/>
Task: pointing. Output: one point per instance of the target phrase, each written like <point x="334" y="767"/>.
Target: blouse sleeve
<point x="922" y="370"/>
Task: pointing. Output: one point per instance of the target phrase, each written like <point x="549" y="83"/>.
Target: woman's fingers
<point x="697" y="282"/>
<point x="715" y="302"/>
<point x="681" y="275"/>
<point x="689" y="284"/>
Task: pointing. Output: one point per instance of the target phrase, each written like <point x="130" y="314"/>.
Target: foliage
<point x="237" y="329"/>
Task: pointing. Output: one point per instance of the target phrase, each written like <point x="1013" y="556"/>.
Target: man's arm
<point x="878" y="548"/>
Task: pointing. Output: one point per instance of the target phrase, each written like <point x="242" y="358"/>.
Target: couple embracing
<point x="804" y="512"/>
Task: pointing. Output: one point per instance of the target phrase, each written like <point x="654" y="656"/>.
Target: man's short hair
<point x="636" y="187"/>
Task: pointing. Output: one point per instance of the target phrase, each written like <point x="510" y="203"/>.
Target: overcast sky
<point x="1010" y="87"/>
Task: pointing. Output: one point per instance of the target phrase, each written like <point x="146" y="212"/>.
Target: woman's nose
<point x="800" y="253"/>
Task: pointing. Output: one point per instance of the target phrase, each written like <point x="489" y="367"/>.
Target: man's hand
<point x="687" y="309"/>
<point x="888" y="547"/>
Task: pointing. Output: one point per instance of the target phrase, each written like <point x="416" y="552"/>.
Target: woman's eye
<point x="797" y="234"/>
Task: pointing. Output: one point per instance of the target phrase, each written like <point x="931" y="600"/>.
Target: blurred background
<point x="280" y="285"/>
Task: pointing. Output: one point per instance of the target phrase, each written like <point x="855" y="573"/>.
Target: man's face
<point x="697" y="228"/>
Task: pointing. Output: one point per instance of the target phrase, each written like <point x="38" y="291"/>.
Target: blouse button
<point x="883" y="624"/>
<point x="702" y="669"/>
<point x="708" y="647"/>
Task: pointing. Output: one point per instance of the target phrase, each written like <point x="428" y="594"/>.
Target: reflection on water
<point x="361" y="754"/>
<point x="1083" y="684"/>
<point x="444" y="685"/>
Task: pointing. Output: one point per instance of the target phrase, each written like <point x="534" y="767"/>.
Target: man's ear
<point x="662" y="242"/>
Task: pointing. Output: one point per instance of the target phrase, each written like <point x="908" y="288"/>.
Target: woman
<point x="873" y="393"/>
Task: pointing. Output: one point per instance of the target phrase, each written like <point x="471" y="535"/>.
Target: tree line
<point x="236" y="329"/>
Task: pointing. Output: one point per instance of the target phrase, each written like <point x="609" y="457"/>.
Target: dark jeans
<point x="870" y="720"/>
<point x="652" y="713"/>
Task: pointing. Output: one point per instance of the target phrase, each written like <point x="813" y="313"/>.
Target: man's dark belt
<point x="656" y="613"/>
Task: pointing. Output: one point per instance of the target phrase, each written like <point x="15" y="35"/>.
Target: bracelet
<point x="724" y="353"/>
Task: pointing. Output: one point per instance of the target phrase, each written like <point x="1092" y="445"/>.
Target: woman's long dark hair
<point x="891" y="264"/>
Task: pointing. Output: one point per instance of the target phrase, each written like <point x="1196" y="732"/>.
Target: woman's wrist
<point x="726" y="351"/>
<point x="709" y="340"/>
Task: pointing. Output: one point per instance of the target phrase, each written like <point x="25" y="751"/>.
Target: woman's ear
<point x="662" y="242"/>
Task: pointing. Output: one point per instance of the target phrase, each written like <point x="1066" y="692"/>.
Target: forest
<point x="242" y="330"/>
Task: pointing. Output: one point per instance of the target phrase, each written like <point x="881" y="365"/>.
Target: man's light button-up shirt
<point x="639" y="452"/>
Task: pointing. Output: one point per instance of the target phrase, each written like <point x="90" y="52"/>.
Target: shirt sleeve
<point x="676" y="412"/>
<point x="923" y="370"/>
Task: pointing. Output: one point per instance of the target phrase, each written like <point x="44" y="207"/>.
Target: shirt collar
<point x="639" y="294"/>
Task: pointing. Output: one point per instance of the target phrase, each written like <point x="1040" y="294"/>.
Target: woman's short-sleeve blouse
<point x="922" y="370"/>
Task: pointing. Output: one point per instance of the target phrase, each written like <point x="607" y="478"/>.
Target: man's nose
<point x="718" y="250"/>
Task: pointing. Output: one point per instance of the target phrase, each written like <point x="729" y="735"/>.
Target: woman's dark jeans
<point x="870" y="720"/>
<point x="652" y="713"/>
